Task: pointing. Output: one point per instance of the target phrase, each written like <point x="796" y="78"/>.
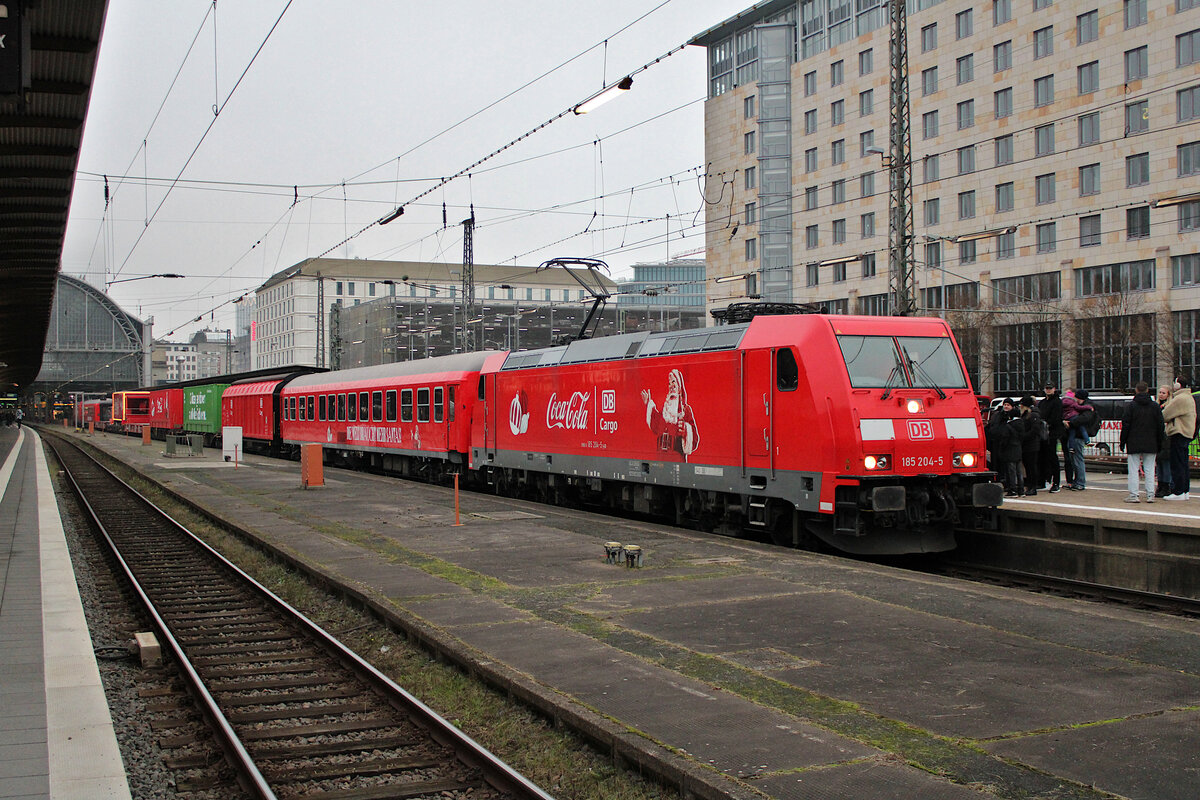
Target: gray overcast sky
<point x="339" y="92"/>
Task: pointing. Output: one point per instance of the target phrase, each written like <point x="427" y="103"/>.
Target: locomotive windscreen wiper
<point x="919" y="371"/>
<point x="888" y="385"/>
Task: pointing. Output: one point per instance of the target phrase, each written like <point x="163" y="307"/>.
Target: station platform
<point x="56" y="734"/>
<point x="742" y="669"/>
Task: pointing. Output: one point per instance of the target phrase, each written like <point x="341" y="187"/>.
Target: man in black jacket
<point x="1050" y="410"/>
<point x="1142" y="435"/>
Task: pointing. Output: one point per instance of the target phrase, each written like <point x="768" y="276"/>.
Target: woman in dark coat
<point x="1004" y="433"/>
<point x="1031" y="444"/>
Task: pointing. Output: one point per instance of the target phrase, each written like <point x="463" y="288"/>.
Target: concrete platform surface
<point x="767" y="672"/>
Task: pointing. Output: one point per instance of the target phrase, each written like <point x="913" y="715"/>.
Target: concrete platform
<point x="747" y="670"/>
<point x="56" y="734"/>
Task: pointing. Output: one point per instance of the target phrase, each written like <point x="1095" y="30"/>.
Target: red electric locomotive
<point x="411" y="417"/>
<point x="861" y="431"/>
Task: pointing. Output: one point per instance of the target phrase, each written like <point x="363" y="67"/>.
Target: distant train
<point x="863" y="432"/>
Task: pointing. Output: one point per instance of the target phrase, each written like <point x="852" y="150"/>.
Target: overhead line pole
<point x="901" y="258"/>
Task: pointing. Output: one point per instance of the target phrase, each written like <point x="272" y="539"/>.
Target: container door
<point x="757" y="387"/>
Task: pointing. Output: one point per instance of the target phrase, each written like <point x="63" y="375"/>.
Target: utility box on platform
<point x="312" y="471"/>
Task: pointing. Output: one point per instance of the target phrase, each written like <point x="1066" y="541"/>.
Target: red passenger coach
<point x="253" y="406"/>
<point x="861" y="431"/>
<point x="408" y="417"/>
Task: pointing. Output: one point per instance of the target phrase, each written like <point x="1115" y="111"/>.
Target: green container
<point x="202" y="408"/>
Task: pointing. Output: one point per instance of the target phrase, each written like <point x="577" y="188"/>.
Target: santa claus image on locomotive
<point x="674" y="424"/>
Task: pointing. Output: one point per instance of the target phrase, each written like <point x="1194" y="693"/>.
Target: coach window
<point x="787" y="372"/>
<point x="480" y="387"/>
<point x="376" y="406"/>
<point x="300" y="409"/>
<point x="321" y="407"/>
<point x="333" y="408"/>
<point x="437" y="404"/>
<point x="450" y="403"/>
<point x="311" y="400"/>
<point x="422" y="405"/>
<point x="341" y="407"/>
<point x="391" y="405"/>
<point x="364" y="407"/>
<point x="406" y="405"/>
<point x="352" y="407"/>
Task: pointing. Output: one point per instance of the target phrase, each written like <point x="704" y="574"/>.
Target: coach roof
<point x="462" y="362"/>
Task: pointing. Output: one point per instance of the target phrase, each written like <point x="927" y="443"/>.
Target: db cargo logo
<point x="608" y="401"/>
<point x="920" y="429"/>
<point x="518" y="413"/>
<point x="569" y="414"/>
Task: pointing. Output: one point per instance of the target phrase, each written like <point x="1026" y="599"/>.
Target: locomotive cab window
<point x="422" y="405"/>
<point x="787" y="371"/>
<point x="391" y="405"/>
<point x="406" y="405"/>
<point x="885" y="362"/>
<point x="322" y="409"/>
<point x="437" y="403"/>
<point x="376" y="406"/>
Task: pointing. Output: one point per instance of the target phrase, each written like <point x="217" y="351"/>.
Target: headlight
<point x="964" y="459"/>
<point x="915" y="406"/>
<point x="875" y="462"/>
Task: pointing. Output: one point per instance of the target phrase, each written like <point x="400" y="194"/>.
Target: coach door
<point x="757" y="383"/>
<point x="487" y="396"/>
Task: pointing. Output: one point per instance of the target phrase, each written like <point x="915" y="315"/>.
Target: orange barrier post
<point x="146" y="435"/>
<point x="312" y="471"/>
<point x="91" y="428"/>
<point x="456" y="521"/>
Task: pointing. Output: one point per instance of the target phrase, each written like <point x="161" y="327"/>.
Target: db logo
<point x="518" y="413"/>
<point x="608" y="401"/>
<point x="920" y="429"/>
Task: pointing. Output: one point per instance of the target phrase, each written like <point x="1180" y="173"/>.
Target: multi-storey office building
<point x="1055" y="163"/>
<point x="678" y="282"/>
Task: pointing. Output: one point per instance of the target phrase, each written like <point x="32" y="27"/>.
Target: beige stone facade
<point x="1011" y="178"/>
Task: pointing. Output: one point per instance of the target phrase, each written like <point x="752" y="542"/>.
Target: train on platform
<point x="862" y="433"/>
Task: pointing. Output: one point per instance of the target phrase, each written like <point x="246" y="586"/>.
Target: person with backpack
<point x="1179" y="413"/>
<point x="1162" y="463"/>
<point x="1050" y="408"/>
<point x="1142" y="434"/>
<point x="1082" y="423"/>
<point x="1032" y="436"/>
<point x="1003" y="435"/>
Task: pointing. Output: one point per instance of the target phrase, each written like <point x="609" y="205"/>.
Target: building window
<point x="929" y="80"/>
<point x="1137" y="118"/>
<point x="964" y="24"/>
<point x="1043" y="137"/>
<point x="1025" y="355"/>
<point x="812" y="238"/>
<point x="966" y="114"/>
<point x="751" y="178"/>
<point x="837" y="112"/>
<point x="813" y="275"/>
<point x="1135" y="13"/>
<point x="810" y="198"/>
<point x="751" y="213"/>
<point x="1187" y="103"/>
<point x="1038" y="5"/>
<point x="866" y="103"/>
<point x="837" y="73"/>
<point x="1006" y="246"/>
<point x="1089" y="230"/>
<point x="810" y="160"/>
<point x="868" y="265"/>
<point x="1003" y="103"/>
<point x="837" y="151"/>
<point x="751" y="249"/>
<point x="1043" y="91"/>
<point x="748" y="108"/>
<point x="966" y="160"/>
<point x="1047" y="238"/>
<point x="866" y="62"/>
<point x="1044" y="188"/>
<point x="1088" y="77"/>
<point x="839" y="231"/>
<point x="929" y="38"/>
<point x="1002" y="56"/>
<point x="1137" y="222"/>
<point x="932" y="211"/>
<point x="839" y="272"/>
<point x="931" y="166"/>
<point x="1129" y="276"/>
<point x="967" y="252"/>
<point x="1089" y="180"/>
<point x="810" y="83"/>
<point x="929" y="125"/>
<point x="810" y="121"/>
<point x="933" y="255"/>
<point x="748" y="143"/>
<point x="1187" y="48"/>
<point x="1087" y="27"/>
<point x="1043" y="42"/>
<point x="1188" y="158"/>
<point x="1137" y="169"/>
<point x="866" y="140"/>
<point x="867" y="225"/>
<point x="1004" y="197"/>
<point x="1137" y="64"/>
<point x="966" y="205"/>
<point x="1185" y="270"/>
<point x="1089" y="129"/>
<point x="339" y="288"/>
<point x="1001" y="11"/>
<point x="1189" y="216"/>
<point x="839" y="191"/>
<point x="965" y="69"/>
<point x="1004" y="150"/>
<point x="866" y="184"/>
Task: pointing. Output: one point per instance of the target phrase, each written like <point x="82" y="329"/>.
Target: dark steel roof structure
<point x="40" y="133"/>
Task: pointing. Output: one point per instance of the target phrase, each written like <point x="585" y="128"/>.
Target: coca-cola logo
<point x="569" y="414"/>
<point x="518" y="413"/>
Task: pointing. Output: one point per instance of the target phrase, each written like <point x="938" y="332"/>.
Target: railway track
<point x="295" y="712"/>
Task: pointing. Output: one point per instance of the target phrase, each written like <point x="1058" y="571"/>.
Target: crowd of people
<point x="1024" y="439"/>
